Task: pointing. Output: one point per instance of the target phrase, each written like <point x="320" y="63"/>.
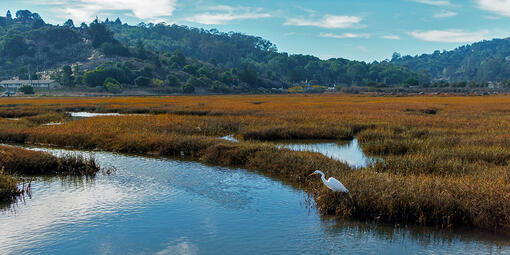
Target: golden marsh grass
<point x="445" y="160"/>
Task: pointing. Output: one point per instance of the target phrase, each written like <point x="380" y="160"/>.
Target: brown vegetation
<point x="444" y="160"/>
<point x="16" y="162"/>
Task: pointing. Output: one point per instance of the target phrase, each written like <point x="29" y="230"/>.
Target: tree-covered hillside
<point x="26" y="42"/>
<point x="482" y="61"/>
<point x="236" y="50"/>
<point x="172" y="58"/>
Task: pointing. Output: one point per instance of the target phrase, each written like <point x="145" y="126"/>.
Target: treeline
<point x="237" y="50"/>
<point x="176" y="58"/>
<point x="28" y="45"/>
<point x="111" y="55"/>
<point x="482" y="61"/>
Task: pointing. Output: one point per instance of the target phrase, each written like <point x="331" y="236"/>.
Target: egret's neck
<point x="323" y="176"/>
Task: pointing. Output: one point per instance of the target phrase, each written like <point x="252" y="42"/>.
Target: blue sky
<point x="363" y="30"/>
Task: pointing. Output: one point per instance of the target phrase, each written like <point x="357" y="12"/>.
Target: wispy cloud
<point x="327" y="21"/>
<point x="434" y="2"/>
<point x="391" y="37"/>
<point x="344" y="35"/>
<point x="219" y="15"/>
<point x="451" y="36"/>
<point x="501" y="7"/>
<point x="86" y="10"/>
<point x="444" y="14"/>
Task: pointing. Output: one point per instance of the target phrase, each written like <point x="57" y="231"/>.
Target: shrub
<point x="27" y="89"/>
<point x="187" y="88"/>
<point x="95" y="77"/>
<point x="112" y="85"/>
<point x="142" y="81"/>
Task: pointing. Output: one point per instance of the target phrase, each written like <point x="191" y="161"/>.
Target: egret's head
<point x="316" y="172"/>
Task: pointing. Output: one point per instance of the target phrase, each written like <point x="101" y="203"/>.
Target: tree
<point x="248" y="74"/>
<point x="143" y="81"/>
<point x="67" y="76"/>
<point x="38" y="23"/>
<point x="172" y="81"/>
<point x="24" y="15"/>
<point x="191" y="69"/>
<point x="99" y="34"/>
<point x="412" y="82"/>
<point x="147" y="71"/>
<point x="204" y="71"/>
<point x="95" y="77"/>
<point x="140" y="49"/>
<point x="69" y="23"/>
<point x="227" y="77"/>
<point x="8" y="15"/>
<point x="194" y="82"/>
<point x="14" y="46"/>
<point x="27" y="89"/>
<point x="188" y="89"/>
<point x="115" y="49"/>
<point x="178" y="58"/>
<point x="112" y="85"/>
<point x="157" y="82"/>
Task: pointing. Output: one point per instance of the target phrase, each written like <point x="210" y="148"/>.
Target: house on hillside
<point x="494" y="85"/>
<point x="13" y="85"/>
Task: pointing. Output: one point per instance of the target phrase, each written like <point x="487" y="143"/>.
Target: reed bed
<point x="444" y="160"/>
<point x="16" y="163"/>
<point x="9" y="189"/>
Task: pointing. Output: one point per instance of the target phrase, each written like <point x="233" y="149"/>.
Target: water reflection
<point x="91" y="114"/>
<point x="53" y="124"/>
<point x="350" y="153"/>
<point x="160" y="206"/>
<point x="230" y="138"/>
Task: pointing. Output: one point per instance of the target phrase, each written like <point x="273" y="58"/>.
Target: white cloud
<point x="451" y="36"/>
<point x="391" y="37"/>
<point x="345" y="35"/>
<point x="328" y="21"/>
<point x="444" y="14"/>
<point x="86" y="10"/>
<point x="501" y="7"/>
<point x="222" y="14"/>
<point x="434" y="2"/>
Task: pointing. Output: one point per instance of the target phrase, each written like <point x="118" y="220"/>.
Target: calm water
<point x="160" y="206"/>
<point x="230" y="138"/>
<point x="92" y="114"/>
<point x="350" y="153"/>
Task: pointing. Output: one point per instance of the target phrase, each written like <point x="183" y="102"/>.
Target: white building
<point x="37" y="84"/>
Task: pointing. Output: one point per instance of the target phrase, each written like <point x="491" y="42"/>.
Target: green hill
<point x="482" y="61"/>
<point x="172" y="58"/>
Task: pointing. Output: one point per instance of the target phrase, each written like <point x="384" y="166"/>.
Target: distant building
<point x="37" y="84"/>
<point x="494" y="85"/>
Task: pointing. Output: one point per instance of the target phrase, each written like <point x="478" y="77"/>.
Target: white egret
<point x="332" y="183"/>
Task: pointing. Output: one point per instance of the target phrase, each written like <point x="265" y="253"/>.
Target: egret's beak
<point x="312" y="174"/>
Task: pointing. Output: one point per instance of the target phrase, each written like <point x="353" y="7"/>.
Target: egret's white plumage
<point x="332" y="183"/>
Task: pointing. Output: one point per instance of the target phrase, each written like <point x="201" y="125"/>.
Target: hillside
<point x="171" y="58"/>
<point x="113" y="56"/>
<point x="482" y="61"/>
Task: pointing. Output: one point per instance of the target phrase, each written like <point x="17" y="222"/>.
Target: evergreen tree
<point x="69" y="23"/>
<point x="99" y="34"/>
